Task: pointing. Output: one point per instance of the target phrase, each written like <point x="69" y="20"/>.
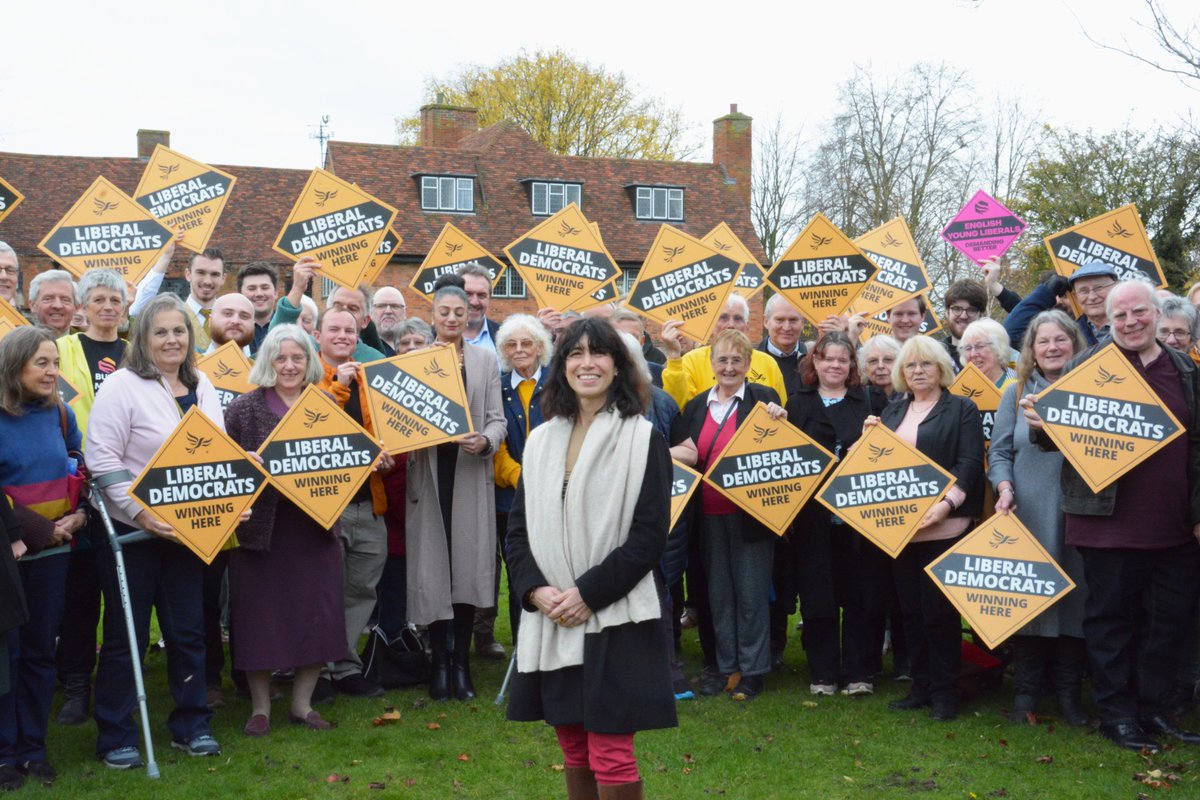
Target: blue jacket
<point x="514" y="415"/>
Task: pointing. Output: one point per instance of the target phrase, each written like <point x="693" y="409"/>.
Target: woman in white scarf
<point x="587" y="526"/>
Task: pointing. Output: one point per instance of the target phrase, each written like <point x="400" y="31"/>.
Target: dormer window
<point x="549" y="198"/>
<point x="659" y="202"/>
<point x="447" y="193"/>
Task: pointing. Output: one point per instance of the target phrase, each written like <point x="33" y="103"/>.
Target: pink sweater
<point x="130" y="420"/>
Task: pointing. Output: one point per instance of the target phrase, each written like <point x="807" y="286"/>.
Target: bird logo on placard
<point x="968" y="392"/>
<point x="433" y="368"/>
<point x="567" y="229"/>
<point x="1107" y="377"/>
<point x="762" y="433"/>
<point x="226" y="371"/>
<point x="453" y="247"/>
<point x="324" y="197"/>
<point x="673" y="251"/>
<point x="891" y="241"/>
<point x="878" y="452"/>
<point x="102" y="206"/>
<point x="980" y="207"/>
<point x="313" y="417"/>
<point x="717" y="243"/>
<point x="1118" y="231"/>
<point x="167" y="170"/>
<point x="820" y="241"/>
<point x="196" y="443"/>
<point x="999" y="538"/>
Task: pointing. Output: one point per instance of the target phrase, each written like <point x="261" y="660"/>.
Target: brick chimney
<point x="732" y="148"/>
<point x="444" y="125"/>
<point x="146" y="141"/>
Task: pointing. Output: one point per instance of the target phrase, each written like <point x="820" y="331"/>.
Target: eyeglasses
<point x="1088" y="291"/>
<point x="974" y="348"/>
<point x="391" y="306"/>
<point x="523" y="344"/>
<point x="970" y="312"/>
<point x="1179" y="336"/>
<point x="924" y="366"/>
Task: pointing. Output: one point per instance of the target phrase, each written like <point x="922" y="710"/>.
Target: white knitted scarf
<point x="567" y="537"/>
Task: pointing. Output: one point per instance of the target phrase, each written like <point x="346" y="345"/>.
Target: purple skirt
<point x="286" y="604"/>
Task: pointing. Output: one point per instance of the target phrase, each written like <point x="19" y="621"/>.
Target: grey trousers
<point x="364" y="553"/>
<point x="739" y="591"/>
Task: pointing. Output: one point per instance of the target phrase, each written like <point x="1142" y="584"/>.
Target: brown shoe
<point x="581" y="784"/>
<point x="312" y="720"/>
<point x="257" y="725"/>
<point x="621" y="791"/>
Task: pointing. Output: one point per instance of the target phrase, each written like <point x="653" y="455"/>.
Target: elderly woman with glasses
<point x="1179" y="326"/>
<point x="948" y="430"/>
<point x="984" y="343"/>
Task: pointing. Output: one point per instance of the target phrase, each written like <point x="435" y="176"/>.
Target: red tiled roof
<point x="502" y="156"/>
<point x="261" y="201"/>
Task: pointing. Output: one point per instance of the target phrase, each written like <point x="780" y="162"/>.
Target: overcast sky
<point x="247" y="82"/>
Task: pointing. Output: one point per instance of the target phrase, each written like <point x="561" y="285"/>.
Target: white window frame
<point x="555" y="196"/>
<point x="659" y="202"/>
<point x="510" y="285"/>
<point x="447" y="193"/>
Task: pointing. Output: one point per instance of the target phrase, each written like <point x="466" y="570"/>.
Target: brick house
<point x="494" y="184"/>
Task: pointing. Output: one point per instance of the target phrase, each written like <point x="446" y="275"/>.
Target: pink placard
<point x="984" y="228"/>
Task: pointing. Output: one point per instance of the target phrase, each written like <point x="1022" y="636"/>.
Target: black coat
<point x="788" y="365"/>
<point x="693" y="421"/>
<point x="13" y="612"/>
<point x="624" y="684"/>
<point x="952" y="436"/>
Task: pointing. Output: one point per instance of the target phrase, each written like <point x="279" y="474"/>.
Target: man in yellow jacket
<point x="687" y="375"/>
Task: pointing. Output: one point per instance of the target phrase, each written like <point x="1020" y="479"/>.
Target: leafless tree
<point x="778" y="174"/>
<point x="1179" y="47"/>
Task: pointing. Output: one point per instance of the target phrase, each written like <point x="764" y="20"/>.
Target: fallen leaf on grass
<point x="333" y="777"/>
<point x="688" y="759"/>
<point x="463" y="757"/>
<point x="1003" y="742"/>
<point x="1044" y="759"/>
<point x="687" y="770"/>
<point x="809" y="703"/>
<point x="376" y="785"/>
<point x="389" y="717"/>
<point x="410" y="781"/>
<point x="356" y="762"/>
<point x="557" y="767"/>
<point x="433" y="726"/>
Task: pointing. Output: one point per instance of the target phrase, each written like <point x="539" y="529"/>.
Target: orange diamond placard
<point x="417" y="399"/>
<point x="901" y="272"/>
<point x="10" y="198"/>
<point x="606" y="293"/>
<point x="6" y="327"/>
<point x="684" y="481"/>
<point x="184" y="194"/>
<point x="822" y="272"/>
<point x="1117" y="238"/>
<point x="972" y="384"/>
<point x="883" y="488"/>
<point x="770" y="469"/>
<point x="338" y="224"/>
<point x="1104" y="417"/>
<point x="452" y="250"/>
<point x="106" y="229"/>
<point x="750" y="280"/>
<point x="199" y="482"/>
<point x="229" y="370"/>
<point x="318" y="456"/>
<point x="562" y="260"/>
<point x="383" y="254"/>
<point x="1000" y="578"/>
<point x="10" y="315"/>
<point x="683" y="279"/>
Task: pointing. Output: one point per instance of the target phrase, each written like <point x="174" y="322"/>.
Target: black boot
<point x="439" y="662"/>
<point x="464" y="689"/>
<point x="1029" y="671"/>
<point x="1070" y="658"/>
<point x="77" y="695"/>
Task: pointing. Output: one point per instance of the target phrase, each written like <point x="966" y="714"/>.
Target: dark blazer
<point x="249" y="422"/>
<point x="514" y="416"/>
<point x="693" y="421"/>
<point x="951" y="436"/>
<point x="840" y="422"/>
<point x="787" y="365"/>
<point x="13" y="612"/>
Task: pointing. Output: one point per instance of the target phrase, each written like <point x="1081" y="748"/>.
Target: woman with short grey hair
<point x="413" y="334"/>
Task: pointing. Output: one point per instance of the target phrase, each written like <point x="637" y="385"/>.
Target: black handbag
<point x="397" y="662"/>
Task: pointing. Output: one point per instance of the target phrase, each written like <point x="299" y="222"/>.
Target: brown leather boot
<point x="621" y="791"/>
<point x="581" y="784"/>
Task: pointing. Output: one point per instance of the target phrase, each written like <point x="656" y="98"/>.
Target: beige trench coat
<point x="431" y="588"/>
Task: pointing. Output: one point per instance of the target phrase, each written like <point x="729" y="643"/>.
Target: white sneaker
<point x="823" y="689"/>
<point x="859" y="688"/>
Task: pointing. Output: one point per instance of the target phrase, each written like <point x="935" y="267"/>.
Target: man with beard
<point x="232" y="320"/>
<point x="388" y="311"/>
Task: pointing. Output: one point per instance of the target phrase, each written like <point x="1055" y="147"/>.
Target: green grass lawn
<point x="784" y="744"/>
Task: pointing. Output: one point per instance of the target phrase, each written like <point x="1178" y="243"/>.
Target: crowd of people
<point x="565" y="483"/>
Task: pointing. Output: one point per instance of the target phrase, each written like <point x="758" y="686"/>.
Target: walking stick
<point x="100" y="482"/>
<point x="508" y="673"/>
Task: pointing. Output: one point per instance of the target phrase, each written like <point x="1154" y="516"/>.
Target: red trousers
<point x="608" y="755"/>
